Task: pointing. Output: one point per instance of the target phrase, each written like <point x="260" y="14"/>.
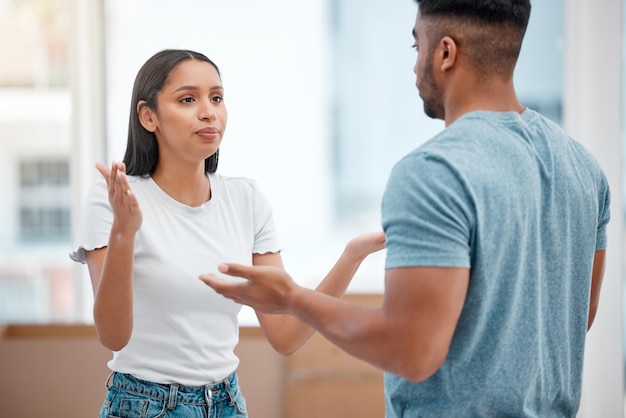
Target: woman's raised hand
<point x="365" y="244"/>
<point x="127" y="215"/>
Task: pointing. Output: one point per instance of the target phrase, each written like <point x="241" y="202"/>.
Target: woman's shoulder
<point x="234" y="182"/>
<point x="138" y="179"/>
<point x="238" y="188"/>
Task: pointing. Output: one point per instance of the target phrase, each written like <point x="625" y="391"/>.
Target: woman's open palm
<point x="126" y="211"/>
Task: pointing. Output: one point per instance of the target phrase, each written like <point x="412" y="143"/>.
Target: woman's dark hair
<point x="142" y="151"/>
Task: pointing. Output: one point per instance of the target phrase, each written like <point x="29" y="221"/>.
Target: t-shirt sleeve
<point x="265" y="233"/>
<point x="427" y="214"/>
<point x="95" y="222"/>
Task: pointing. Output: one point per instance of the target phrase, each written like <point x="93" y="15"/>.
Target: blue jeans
<point x="129" y="397"/>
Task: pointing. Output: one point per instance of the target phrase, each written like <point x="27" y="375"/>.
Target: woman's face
<point x="191" y="117"/>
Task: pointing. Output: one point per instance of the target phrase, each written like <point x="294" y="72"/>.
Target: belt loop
<point x="172" y="399"/>
<point x="229" y="389"/>
<point x="107" y="383"/>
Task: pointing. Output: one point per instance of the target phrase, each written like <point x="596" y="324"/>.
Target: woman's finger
<point x="121" y="184"/>
<point x="104" y="170"/>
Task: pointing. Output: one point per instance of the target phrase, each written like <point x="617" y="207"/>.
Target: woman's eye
<point x="187" y="100"/>
<point x="218" y="99"/>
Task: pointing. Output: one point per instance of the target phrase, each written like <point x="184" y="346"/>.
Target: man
<point x="495" y="234"/>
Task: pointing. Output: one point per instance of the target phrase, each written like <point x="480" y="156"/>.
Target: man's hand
<point x="266" y="289"/>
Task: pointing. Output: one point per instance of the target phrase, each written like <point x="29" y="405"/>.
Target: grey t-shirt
<point x="522" y="205"/>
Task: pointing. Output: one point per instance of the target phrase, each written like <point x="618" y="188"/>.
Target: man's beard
<point x="432" y="108"/>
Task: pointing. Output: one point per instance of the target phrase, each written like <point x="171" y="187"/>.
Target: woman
<point x="159" y="220"/>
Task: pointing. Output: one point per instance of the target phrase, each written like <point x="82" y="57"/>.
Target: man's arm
<point x="409" y="335"/>
<point x="286" y="333"/>
<point x="596" y="285"/>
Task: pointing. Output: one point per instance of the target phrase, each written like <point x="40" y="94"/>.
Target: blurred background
<point x="321" y="102"/>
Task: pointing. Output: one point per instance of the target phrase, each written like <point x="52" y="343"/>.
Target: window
<point x="36" y="277"/>
<point x="45" y="200"/>
<point x="377" y="115"/>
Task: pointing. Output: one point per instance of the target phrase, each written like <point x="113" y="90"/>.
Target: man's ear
<point x="147" y="116"/>
<point x="448" y="53"/>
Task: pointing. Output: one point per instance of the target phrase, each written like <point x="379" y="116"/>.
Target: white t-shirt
<point x="183" y="332"/>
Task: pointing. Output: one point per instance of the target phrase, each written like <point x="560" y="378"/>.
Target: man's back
<point x="524" y="207"/>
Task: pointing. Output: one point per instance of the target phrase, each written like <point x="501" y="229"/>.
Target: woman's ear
<point x="147" y="116"/>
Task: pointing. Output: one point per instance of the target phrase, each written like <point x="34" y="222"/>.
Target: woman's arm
<point x="111" y="267"/>
<point x="286" y="333"/>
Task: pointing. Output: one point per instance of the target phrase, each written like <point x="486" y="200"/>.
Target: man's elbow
<point x="592" y="316"/>
<point x="418" y="368"/>
<point x="420" y="374"/>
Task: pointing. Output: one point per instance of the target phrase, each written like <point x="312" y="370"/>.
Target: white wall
<point x="274" y="68"/>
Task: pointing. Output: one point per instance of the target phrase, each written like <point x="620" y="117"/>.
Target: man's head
<point x="486" y="34"/>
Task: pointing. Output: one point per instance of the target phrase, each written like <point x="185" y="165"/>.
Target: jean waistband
<point x="174" y="393"/>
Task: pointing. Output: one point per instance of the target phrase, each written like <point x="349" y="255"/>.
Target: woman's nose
<point x="207" y="112"/>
